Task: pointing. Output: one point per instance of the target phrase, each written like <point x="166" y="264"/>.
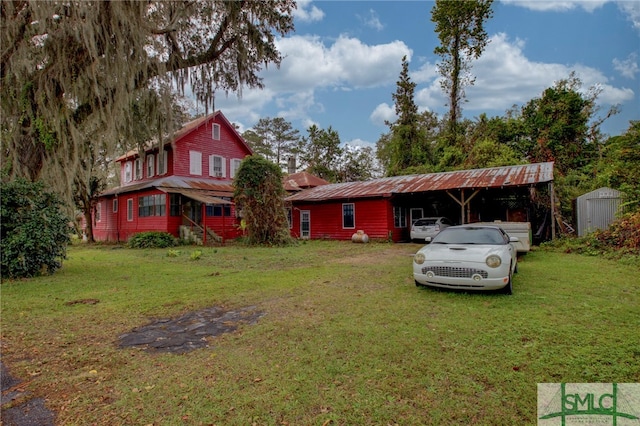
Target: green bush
<point x="621" y="239"/>
<point x="35" y="231"/>
<point x="152" y="239"/>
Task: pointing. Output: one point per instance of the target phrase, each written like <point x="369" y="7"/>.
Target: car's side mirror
<point x="513" y="239"/>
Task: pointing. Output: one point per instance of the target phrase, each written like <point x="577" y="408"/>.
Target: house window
<point x="217" y="210"/>
<point x="115" y="205"/>
<point x="152" y="205"/>
<point x="215" y="134"/>
<point x="217" y="166"/>
<point x="138" y="169"/>
<point x="195" y="163"/>
<point x="399" y="217"/>
<point x="127" y="171"/>
<point x="151" y="165"/>
<point x="130" y="209"/>
<point x="98" y="212"/>
<point x="235" y="165"/>
<point x="162" y="162"/>
<point x="348" y="215"/>
<point x="175" y="205"/>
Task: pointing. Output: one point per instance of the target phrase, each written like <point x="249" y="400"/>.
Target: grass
<point x="347" y="337"/>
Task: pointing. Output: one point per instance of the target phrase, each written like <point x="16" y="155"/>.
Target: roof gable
<point x="191" y="127"/>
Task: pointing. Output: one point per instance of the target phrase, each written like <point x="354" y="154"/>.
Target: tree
<point x="406" y="145"/>
<point x="35" y="232"/>
<point x="557" y="126"/>
<point x="322" y="153"/>
<point x="423" y="154"/>
<point x="460" y="28"/>
<point x="276" y="140"/>
<point x="68" y="68"/>
<point x="620" y="165"/>
<point x="259" y="195"/>
<point x="357" y="164"/>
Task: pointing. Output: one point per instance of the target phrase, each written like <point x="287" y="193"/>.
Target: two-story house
<point x="184" y="188"/>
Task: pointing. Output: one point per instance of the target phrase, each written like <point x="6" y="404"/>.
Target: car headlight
<point x="419" y="258"/>
<point x="493" y="261"/>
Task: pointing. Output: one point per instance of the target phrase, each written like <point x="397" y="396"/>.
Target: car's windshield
<point x="425" y="222"/>
<point x="469" y="235"/>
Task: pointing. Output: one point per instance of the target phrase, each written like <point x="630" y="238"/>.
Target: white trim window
<point x="217" y="166"/>
<point x="235" y="165"/>
<point x="399" y="217"/>
<point x="151" y="165"/>
<point x="138" y="169"/>
<point x="127" y="172"/>
<point x="195" y="163"/>
<point x="162" y="165"/>
<point x="348" y="215"/>
<point x="215" y="132"/>
<point x="130" y="210"/>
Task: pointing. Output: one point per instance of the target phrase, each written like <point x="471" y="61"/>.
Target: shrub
<point x="35" y="231"/>
<point x="622" y="238"/>
<point x="151" y="239"/>
<point x="623" y="234"/>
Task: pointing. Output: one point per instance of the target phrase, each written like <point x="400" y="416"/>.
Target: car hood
<point x="459" y="252"/>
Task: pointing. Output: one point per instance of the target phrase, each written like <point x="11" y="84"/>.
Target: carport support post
<point x="204" y="224"/>
<point x="462" y="202"/>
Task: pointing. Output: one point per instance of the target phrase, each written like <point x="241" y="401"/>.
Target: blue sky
<point x="342" y="63"/>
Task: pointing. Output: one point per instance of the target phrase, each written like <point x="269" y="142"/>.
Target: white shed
<point x="597" y="209"/>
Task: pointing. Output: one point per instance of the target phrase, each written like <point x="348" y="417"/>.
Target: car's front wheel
<point x="508" y="289"/>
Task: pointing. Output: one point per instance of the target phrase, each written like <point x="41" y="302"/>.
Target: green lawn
<point x="347" y="338"/>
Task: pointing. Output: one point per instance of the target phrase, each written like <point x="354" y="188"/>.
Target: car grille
<point x="454" y="272"/>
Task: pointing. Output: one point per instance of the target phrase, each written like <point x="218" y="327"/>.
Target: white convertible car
<point x="468" y="257"/>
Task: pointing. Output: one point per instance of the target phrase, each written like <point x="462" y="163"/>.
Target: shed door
<point x="305" y="223"/>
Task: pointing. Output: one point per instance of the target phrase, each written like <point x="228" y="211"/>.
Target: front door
<point x="193" y="210"/>
<point x="305" y="224"/>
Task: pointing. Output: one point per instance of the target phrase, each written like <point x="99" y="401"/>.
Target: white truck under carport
<point x="521" y="230"/>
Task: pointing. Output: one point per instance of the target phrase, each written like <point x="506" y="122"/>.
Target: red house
<point x="385" y="208"/>
<point x="184" y="189"/>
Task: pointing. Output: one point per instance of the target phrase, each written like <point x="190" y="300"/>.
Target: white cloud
<point x="372" y="20"/>
<point x="307" y="12"/>
<point x="347" y="63"/>
<point x="310" y="65"/>
<point x="632" y="10"/>
<point x="557" y="6"/>
<point x="506" y="77"/>
<point x="383" y="112"/>
<point x="627" y="67"/>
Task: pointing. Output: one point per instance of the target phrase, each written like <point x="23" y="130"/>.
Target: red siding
<point x="374" y="217"/>
<point x="201" y="140"/>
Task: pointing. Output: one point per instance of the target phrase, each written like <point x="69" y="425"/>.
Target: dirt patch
<point x="190" y="331"/>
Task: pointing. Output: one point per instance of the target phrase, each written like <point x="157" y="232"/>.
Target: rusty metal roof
<point x="302" y="180"/>
<point x="208" y="186"/>
<point x="495" y="177"/>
